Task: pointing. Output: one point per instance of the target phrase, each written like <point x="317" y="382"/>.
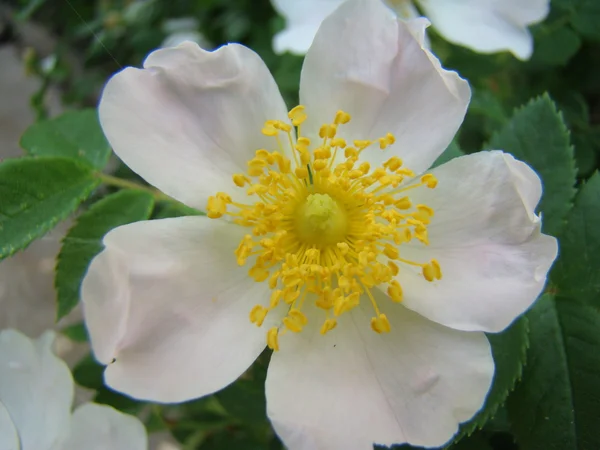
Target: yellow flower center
<point x="325" y="227"/>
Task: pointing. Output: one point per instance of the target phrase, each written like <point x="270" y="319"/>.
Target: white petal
<point x="167" y="300"/>
<point x="101" y="427"/>
<point x="354" y="387"/>
<point x="36" y="389"/>
<point x="487" y="239"/>
<point x="191" y="118"/>
<point x="367" y="63"/>
<point x="302" y="20"/>
<point x="487" y="26"/>
<point x="9" y="439"/>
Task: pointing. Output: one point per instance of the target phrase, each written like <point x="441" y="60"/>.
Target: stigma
<point x="325" y="227"/>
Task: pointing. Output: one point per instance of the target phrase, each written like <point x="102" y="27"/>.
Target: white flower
<point x="485" y="26"/>
<point x="169" y="303"/>
<point x="36" y="394"/>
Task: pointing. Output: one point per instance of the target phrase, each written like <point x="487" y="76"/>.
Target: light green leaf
<point x="36" y="194"/>
<point x="537" y="135"/>
<point x="585" y="17"/>
<point x="84" y="240"/>
<point x="577" y="272"/>
<point x="555" y="407"/>
<point x="509" y="349"/>
<point x="74" y="134"/>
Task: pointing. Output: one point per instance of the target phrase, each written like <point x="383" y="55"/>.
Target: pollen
<point x="324" y="227"/>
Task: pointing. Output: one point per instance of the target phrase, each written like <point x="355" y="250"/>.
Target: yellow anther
<point x="273" y="339"/>
<point x="329" y="325"/>
<point x="322" y="153"/>
<point x="393" y="164"/>
<point x="403" y="203"/>
<point x="290" y="295"/>
<point x="215" y="207"/>
<point x="301" y="172"/>
<point x="391" y="252"/>
<point x="269" y="129"/>
<point x="258" y="314"/>
<point x="393" y="267"/>
<point x="328" y="131"/>
<point x="305" y="158"/>
<point x="282" y="126"/>
<point x="395" y="291"/>
<point x="350" y="152"/>
<point x="338" y="142"/>
<point x="303" y="142"/>
<point x="297" y="115"/>
<point x="380" y="324"/>
<point x="320" y="164"/>
<point x="430" y="180"/>
<point x="361" y="145"/>
<point x="437" y="269"/>
<point x="275" y="297"/>
<point x="259" y="273"/>
<point x="298" y="316"/>
<point x="342" y="117"/>
<point x="239" y="179"/>
<point x="432" y="271"/>
<point x="354" y="174"/>
<point x="364" y="168"/>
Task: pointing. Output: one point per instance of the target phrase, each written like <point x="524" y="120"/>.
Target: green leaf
<point x="537" y="135"/>
<point x="453" y="151"/>
<point x="555" y="46"/>
<point x="509" y="349"/>
<point x="585" y="17"/>
<point x="84" y="240"/>
<point x="577" y="272"/>
<point x="474" y="442"/>
<point x="76" y="332"/>
<point x="74" y="134"/>
<point x="555" y="407"/>
<point x="36" y="194"/>
<point x="89" y="373"/>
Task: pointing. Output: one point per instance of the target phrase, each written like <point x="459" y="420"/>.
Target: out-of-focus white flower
<point x="486" y="26"/>
<point x="325" y="232"/>
<point x="183" y="29"/>
<point x="36" y="395"/>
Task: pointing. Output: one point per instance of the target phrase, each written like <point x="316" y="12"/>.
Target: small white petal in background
<point x="36" y="395"/>
<point x="485" y="26"/>
<point x="183" y="29"/>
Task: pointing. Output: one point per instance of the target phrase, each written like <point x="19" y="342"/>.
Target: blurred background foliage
<point x="96" y="38"/>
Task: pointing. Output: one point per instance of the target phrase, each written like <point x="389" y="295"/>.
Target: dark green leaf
<point x="537" y="135"/>
<point x="577" y="272"/>
<point x="509" y="349"/>
<point x="555" y="46"/>
<point x="555" y="407"/>
<point x="77" y="332"/>
<point x="74" y="134"/>
<point x="36" y="194"/>
<point x="84" y="240"/>
<point x="586" y="17"/>
<point x="89" y="373"/>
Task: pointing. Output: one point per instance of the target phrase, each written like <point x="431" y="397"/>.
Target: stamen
<point x="325" y="229"/>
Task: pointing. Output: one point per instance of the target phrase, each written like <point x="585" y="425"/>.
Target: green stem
<point x="126" y="184"/>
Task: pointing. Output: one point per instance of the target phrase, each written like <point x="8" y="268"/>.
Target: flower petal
<point x="366" y="62"/>
<point x="9" y="439"/>
<point x="302" y="20"/>
<point x="101" y="427"/>
<point x="191" y="118"/>
<point x="487" y="240"/>
<point x="36" y="388"/>
<point x="488" y="26"/>
<point x="353" y="387"/>
<point x="168" y="302"/>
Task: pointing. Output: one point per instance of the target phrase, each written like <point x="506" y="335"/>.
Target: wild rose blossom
<point x="485" y="26"/>
<point x="372" y="278"/>
<point x="36" y="395"/>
